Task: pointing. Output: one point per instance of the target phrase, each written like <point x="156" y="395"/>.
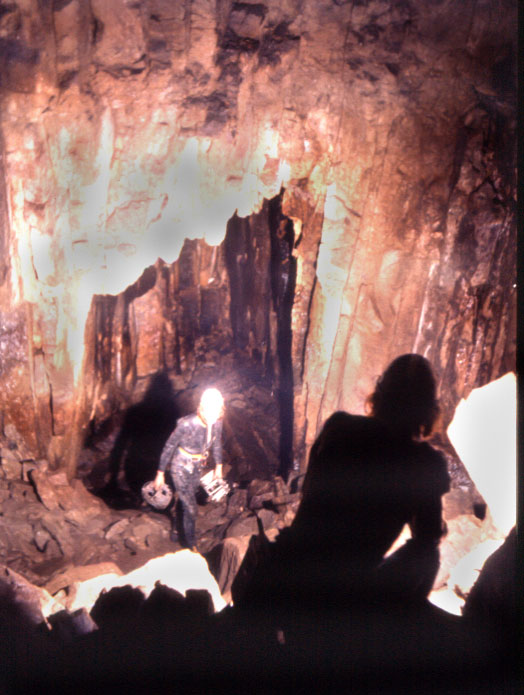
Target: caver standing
<point x="186" y="452"/>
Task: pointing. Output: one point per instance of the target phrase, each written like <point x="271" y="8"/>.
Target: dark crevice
<point x="258" y="254"/>
<point x="283" y="279"/>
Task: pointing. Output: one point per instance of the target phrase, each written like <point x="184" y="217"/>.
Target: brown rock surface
<point x="150" y="155"/>
<point x="127" y="128"/>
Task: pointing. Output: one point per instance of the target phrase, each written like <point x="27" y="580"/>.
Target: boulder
<point x="224" y="560"/>
<point x="115" y="529"/>
<point x="244" y="525"/>
<point x="44" y="487"/>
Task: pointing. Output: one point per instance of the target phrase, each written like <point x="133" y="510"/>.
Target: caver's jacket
<point x="191" y="438"/>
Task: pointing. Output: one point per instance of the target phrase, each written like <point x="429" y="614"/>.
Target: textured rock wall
<point x="130" y="126"/>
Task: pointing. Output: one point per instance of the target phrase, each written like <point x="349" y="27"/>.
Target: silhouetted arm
<point x="427" y="525"/>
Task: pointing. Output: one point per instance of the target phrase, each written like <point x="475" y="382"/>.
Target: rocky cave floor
<point x="54" y="532"/>
<point x="62" y="537"/>
<point x="49" y="526"/>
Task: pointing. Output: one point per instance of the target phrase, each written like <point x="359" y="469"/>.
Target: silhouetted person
<point x="139" y="444"/>
<point x="186" y="452"/>
<point x="367" y="477"/>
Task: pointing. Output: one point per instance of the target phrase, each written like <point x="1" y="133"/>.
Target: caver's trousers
<point x="186" y="476"/>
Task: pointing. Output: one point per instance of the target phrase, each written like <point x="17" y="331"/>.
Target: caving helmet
<point x="159" y="499"/>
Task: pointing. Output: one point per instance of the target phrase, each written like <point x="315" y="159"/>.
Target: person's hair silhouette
<point x="405" y="396"/>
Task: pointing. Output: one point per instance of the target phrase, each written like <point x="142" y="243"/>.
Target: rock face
<point x="363" y="154"/>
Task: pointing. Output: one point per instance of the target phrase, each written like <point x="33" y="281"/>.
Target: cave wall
<point x="130" y="126"/>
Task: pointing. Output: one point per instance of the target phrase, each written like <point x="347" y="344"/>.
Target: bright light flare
<point x="180" y="571"/>
<point x="211" y="405"/>
<point x="484" y="434"/>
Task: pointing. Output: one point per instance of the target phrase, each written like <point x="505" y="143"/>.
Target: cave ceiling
<point x="379" y="137"/>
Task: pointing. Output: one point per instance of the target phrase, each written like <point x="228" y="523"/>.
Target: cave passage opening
<point x="218" y="316"/>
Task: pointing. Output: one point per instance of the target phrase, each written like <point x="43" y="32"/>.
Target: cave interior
<point x="272" y="198"/>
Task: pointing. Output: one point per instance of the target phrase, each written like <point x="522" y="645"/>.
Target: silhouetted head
<point x="405" y="396"/>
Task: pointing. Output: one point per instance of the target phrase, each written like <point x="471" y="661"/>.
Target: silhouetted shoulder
<point x="430" y="467"/>
<point x="341" y="428"/>
<point x="344" y="452"/>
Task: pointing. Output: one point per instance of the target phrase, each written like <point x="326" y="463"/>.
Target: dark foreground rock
<point x="184" y="649"/>
<point x="175" y="643"/>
